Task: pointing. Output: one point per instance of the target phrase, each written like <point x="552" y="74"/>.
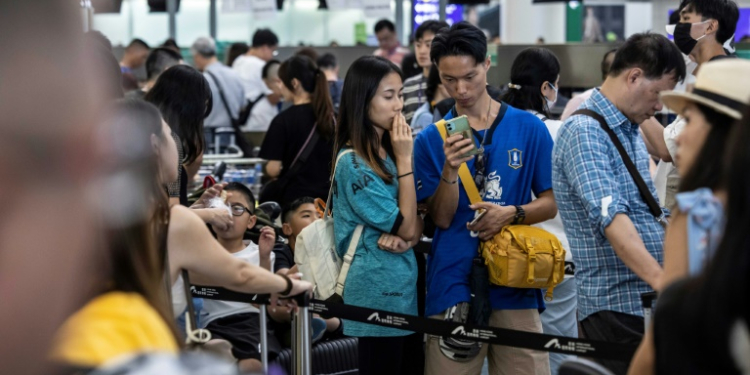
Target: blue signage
<point x="424" y="10"/>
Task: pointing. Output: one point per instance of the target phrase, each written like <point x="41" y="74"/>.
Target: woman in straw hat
<point x="700" y="325"/>
<point x="711" y="111"/>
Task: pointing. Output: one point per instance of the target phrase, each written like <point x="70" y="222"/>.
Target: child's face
<point x="301" y="218"/>
<point x="237" y="202"/>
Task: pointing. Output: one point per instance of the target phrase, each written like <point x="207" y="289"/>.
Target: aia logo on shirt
<point x="514" y="158"/>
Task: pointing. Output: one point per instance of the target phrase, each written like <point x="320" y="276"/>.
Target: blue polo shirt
<point x="518" y="150"/>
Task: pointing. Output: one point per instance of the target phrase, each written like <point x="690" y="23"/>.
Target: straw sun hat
<point x="722" y="85"/>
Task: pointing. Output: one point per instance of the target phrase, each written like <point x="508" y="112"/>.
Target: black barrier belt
<point x="490" y="335"/>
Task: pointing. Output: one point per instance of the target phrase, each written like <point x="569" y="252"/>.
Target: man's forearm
<point x="444" y="202"/>
<point x="265" y="262"/>
<point x="653" y="132"/>
<point x="629" y="247"/>
<point x="541" y="209"/>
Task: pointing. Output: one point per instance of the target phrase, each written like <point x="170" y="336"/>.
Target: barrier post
<point x="264" y="338"/>
<point x="647" y="300"/>
<point x="301" y="336"/>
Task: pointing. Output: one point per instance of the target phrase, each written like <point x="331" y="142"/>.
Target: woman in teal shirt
<point x="374" y="187"/>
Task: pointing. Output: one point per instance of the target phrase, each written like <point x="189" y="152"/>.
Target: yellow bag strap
<point x="463" y="171"/>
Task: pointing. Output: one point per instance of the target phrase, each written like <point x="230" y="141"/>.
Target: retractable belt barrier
<point x="490" y="335"/>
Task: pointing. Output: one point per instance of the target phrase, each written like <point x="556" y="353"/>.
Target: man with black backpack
<point x="604" y="192"/>
<point x="226" y="88"/>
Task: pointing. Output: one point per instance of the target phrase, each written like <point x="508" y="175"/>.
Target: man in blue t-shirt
<point x="516" y="161"/>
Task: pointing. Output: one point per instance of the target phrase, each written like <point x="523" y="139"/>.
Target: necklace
<point x="486" y="128"/>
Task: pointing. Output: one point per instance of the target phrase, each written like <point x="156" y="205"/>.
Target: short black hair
<point x="652" y="53"/>
<point x="294" y="206"/>
<point x="159" y="60"/>
<point x="138" y="43"/>
<point x="267" y="68"/>
<point x="724" y="11"/>
<point x="674" y="18"/>
<point x="462" y="39"/>
<point x="327" y="61"/>
<point x="244" y="191"/>
<point x="429" y="26"/>
<point x="384" y="24"/>
<point x="606" y="66"/>
<point x="265" y="37"/>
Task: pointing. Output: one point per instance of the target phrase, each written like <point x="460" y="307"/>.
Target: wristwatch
<point x="520" y="215"/>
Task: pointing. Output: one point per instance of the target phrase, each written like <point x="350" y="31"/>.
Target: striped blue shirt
<point x="591" y="185"/>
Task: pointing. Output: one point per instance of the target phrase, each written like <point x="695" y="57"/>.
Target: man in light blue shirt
<point x="615" y="240"/>
<point x="226" y="87"/>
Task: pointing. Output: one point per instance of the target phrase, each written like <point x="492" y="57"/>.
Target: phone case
<point x="461" y="125"/>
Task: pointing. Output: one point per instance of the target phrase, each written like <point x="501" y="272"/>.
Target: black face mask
<point x="682" y="38"/>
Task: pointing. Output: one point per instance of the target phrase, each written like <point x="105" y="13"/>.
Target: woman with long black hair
<point x="697" y="223"/>
<point x="184" y="98"/>
<point x="308" y="124"/>
<point x="700" y="324"/>
<point x="375" y="191"/>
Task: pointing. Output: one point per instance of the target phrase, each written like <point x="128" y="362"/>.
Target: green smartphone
<point x="461" y="125"/>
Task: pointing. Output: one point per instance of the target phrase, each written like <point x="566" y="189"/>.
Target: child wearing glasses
<point x="239" y="323"/>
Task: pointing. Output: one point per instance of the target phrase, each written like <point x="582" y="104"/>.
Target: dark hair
<point x="236" y="50"/>
<point x="723" y="11"/>
<point x="291" y="208"/>
<point x="265" y="37"/>
<point x="429" y="26"/>
<point x="244" y="191"/>
<point x="171" y="44"/>
<point x="138" y="43"/>
<point x="314" y="82"/>
<point x="462" y="39"/>
<point x="159" y="60"/>
<point x="355" y="128"/>
<point x="184" y="98"/>
<point x="327" y="61"/>
<point x="713" y="306"/>
<point x="309" y="52"/>
<point x="135" y="260"/>
<point x="674" y="18"/>
<point x="708" y="173"/>
<point x="652" y="53"/>
<point x="384" y="24"/>
<point x="531" y="68"/>
<point x="267" y="68"/>
<point x="433" y="81"/>
<point x="606" y="66"/>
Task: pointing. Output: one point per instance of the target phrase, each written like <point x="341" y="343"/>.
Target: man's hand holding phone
<point x="489" y="223"/>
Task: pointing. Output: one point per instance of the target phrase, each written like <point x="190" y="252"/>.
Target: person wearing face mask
<point x="615" y="237"/>
<point x="700" y="29"/>
<point x="375" y="192"/>
<point x="535" y="75"/>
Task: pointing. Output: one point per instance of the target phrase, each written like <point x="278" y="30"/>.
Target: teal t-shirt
<point x="377" y="279"/>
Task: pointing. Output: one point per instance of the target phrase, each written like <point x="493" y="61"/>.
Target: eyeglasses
<point x="238" y="210"/>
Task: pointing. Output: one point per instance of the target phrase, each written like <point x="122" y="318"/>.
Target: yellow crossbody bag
<point x="520" y="256"/>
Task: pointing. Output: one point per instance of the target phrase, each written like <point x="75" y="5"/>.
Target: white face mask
<point x="551" y="103"/>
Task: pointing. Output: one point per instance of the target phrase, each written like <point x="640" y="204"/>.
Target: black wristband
<point x="405" y="174"/>
<point x="289" y="286"/>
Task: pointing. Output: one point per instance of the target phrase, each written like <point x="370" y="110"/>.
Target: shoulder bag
<point x="653" y="205"/>
<point x="274" y="190"/>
